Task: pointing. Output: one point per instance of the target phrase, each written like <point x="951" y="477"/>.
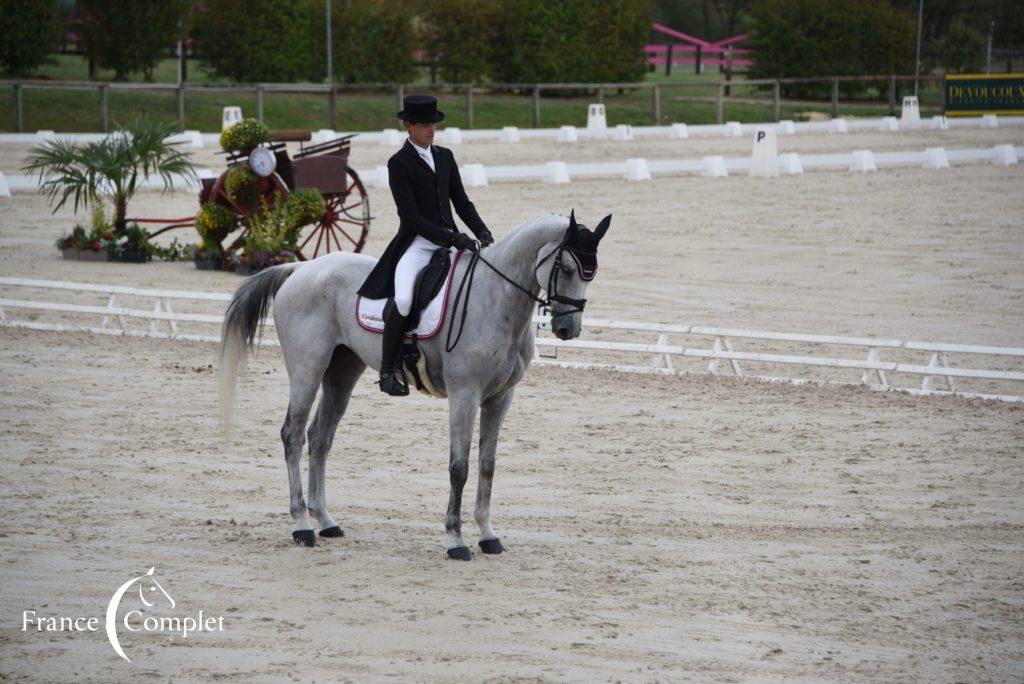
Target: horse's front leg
<point x="492" y="415"/>
<point x="462" y="409"/>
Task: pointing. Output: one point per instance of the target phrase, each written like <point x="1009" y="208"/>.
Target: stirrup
<point x="390" y="383"/>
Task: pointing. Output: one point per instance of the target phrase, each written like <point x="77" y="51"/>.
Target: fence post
<point x="332" y="107"/>
<point x="892" y="95"/>
<point x="600" y="95"/>
<point x="181" y="106"/>
<point x="104" y="109"/>
<point x="259" y="102"/>
<point x="399" y="98"/>
<point x="835" y="97"/>
<point x="17" y="108"/>
<point x="719" y="92"/>
<point x="536" y="106"/>
<point x="776" y="101"/>
<point x="656" y="96"/>
<point x="942" y="95"/>
<point x="469" y="106"/>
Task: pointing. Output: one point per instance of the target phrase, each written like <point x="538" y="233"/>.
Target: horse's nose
<point x="563" y="333"/>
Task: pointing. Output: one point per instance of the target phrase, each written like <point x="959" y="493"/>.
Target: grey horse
<point x="323" y="346"/>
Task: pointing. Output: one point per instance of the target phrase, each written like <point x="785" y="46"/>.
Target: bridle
<point x="551" y="290"/>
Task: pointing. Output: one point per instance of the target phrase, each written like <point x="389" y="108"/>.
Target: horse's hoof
<point x="460" y="553"/>
<point x="491" y="546"/>
<point x="332" y="532"/>
<point x="304" y="537"/>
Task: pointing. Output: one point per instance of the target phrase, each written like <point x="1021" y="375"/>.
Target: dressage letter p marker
<point x="760" y="136"/>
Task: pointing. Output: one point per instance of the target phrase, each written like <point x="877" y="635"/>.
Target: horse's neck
<point x="516" y="257"/>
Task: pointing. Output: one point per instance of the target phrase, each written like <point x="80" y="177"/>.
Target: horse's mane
<point x="554" y="222"/>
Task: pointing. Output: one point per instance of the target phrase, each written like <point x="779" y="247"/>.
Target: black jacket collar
<point x="414" y="153"/>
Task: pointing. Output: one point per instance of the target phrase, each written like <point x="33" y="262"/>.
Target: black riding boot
<point x="394" y="329"/>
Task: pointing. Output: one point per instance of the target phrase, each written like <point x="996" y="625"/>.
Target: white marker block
<point x="714" y="167"/>
<point x="44" y="136"/>
<point x="556" y="172"/>
<point x="940" y="122"/>
<point x="380" y="177"/>
<point x="452" y="136"/>
<point x="679" y="132"/>
<point x="935" y="158"/>
<point x="229" y="116"/>
<point x="790" y="164"/>
<point x="596" y="120"/>
<point x="4" y="190"/>
<point x="474" y="175"/>
<point x="567" y="134"/>
<point x="509" y="134"/>
<point x="863" y="161"/>
<point x="322" y="136"/>
<point x="786" y="127"/>
<point x="390" y="136"/>
<point x="764" y="159"/>
<point x="837" y="126"/>
<point x="733" y="129"/>
<point x="623" y="132"/>
<point x="637" y="170"/>
<point x="987" y="121"/>
<point x="910" y="111"/>
<point x="889" y="124"/>
<point x="1004" y="155"/>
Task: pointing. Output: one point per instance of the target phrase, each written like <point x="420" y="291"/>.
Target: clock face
<point x="262" y="161"/>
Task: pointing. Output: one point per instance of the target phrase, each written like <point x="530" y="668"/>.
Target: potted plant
<point x="133" y="247"/>
<point x="244" y="136"/>
<point x="91" y="245"/>
<point x="271" y="239"/>
<point x="113" y="167"/>
<point x="213" y="223"/>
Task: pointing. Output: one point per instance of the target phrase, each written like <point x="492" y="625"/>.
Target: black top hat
<point x="420" y="109"/>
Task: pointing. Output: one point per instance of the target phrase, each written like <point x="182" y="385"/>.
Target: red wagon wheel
<point x="344" y="225"/>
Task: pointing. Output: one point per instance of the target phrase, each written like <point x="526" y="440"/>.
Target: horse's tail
<point x="242" y="321"/>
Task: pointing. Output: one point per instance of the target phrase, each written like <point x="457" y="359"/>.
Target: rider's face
<point x="421" y="133"/>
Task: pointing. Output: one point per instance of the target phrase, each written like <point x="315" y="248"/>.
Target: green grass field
<point x="685" y="97"/>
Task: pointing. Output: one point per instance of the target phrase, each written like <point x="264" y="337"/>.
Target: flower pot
<point x="246" y="269"/>
<point x="93" y="255"/>
<point x="131" y="256"/>
<point x="208" y="264"/>
<point x="69" y="253"/>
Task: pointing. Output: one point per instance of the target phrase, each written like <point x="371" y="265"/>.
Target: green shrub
<point x="244" y="135"/>
<point x="29" y="32"/>
<point x="131" y="35"/>
<point x="373" y="41"/>
<point x="306" y="206"/>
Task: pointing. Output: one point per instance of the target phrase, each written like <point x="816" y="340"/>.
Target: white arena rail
<point x="655" y="354"/>
<point x="196" y="139"/>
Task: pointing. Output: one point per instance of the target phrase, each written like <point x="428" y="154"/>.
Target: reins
<point x="466" y="284"/>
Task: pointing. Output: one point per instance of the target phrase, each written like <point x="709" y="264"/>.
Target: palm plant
<point x="112" y="167"/>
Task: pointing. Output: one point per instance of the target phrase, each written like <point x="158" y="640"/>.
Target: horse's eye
<point x="567" y="270"/>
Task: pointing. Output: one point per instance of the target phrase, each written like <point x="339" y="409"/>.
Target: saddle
<point x="426" y="316"/>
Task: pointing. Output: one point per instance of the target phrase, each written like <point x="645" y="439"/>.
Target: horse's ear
<point x="602" y="227"/>
<point x="572" y="221"/>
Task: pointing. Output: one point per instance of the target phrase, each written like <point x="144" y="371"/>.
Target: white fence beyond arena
<point x="658" y="355"/>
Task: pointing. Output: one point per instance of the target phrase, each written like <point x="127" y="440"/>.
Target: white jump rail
<point x="658" y="356"/>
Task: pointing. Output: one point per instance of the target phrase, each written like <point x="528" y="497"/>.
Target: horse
<point x="324" y="347"/>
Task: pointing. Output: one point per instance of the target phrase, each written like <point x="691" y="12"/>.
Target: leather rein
<point x="551" y="290"/>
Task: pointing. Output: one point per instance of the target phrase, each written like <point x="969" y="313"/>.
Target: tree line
<point x="506" y="41"/>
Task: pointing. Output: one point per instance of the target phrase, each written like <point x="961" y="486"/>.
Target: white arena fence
<point x="926" y="368"/>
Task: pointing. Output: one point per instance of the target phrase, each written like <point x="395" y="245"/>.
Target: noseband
<point x="577" y="305"/>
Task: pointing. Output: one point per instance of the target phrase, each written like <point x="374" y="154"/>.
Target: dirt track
<point x="658" y="528"/>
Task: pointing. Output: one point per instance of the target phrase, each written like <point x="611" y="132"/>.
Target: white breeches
<point x="409" y="266"/>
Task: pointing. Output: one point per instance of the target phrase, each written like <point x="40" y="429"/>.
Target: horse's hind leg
<point x="338" y="381"/>
<point x="304" y="379"/>
<point x="492" y="414"/>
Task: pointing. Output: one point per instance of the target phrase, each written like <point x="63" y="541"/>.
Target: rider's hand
<point x="486" y="239"/>
<point x="463" y="241"/>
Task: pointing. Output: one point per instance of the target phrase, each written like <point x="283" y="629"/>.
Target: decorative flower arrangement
<point x="307" y="205"/>
<point x="98" y="238"/>
<point x="240" y="186"/>
<point x="214" y="222"/>
<point x="244" y="136"/>
<point x="134" y="246"/>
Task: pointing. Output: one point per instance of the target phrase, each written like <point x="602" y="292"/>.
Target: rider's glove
<point x="463" y="241"/>
<point x="486" y="239"/>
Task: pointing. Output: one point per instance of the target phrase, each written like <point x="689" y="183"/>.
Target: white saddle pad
<point x="370" y="312"/>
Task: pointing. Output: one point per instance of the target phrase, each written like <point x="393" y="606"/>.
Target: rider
<point x="425" y="182"/>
